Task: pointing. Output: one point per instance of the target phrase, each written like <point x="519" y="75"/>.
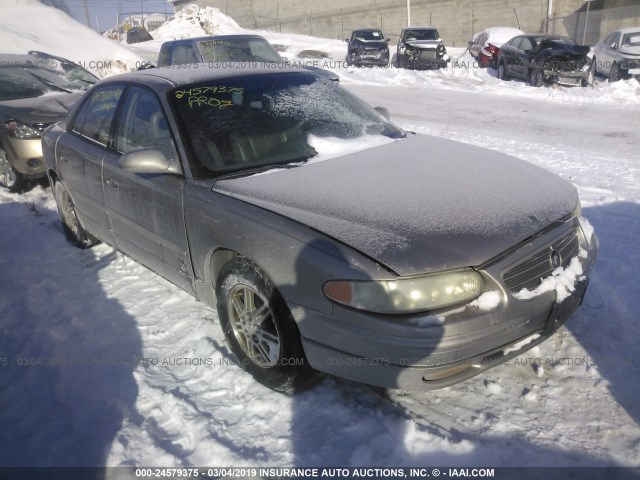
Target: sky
<point x="106" y="11"/>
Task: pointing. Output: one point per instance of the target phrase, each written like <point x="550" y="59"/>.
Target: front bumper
<point x="567" y="79"/>
<point x="425" y="353"/>
<point x="380" y="60"/>
<point x="25" y="155"/>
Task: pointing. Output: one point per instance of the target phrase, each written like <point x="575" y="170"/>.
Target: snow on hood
<point x="42" y="109"/>
<point x="417" y="205"/>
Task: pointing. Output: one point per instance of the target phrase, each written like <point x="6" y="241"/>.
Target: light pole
<point x="586" y="21"/>
<point x="408" y="13"/>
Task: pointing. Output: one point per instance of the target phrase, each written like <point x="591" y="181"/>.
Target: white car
<point x="485" y="45"/>
<point x="618" y="55"/>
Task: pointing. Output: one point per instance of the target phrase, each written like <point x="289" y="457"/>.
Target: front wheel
<point x="614" y="73"/>
<point x="12" y="180"/>
<point x="74" y="231"/>
<point x="535" y="78"/>
<point x="259" y="327"/>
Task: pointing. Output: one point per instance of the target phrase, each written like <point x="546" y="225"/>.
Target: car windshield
<point x="238" y="50"/>
<point x="631" y="39"/>
<point x="24" y="81"/>
<point x="260" y="121"/>
<point x="369" y="35"/>
<point x="430" y="34"/>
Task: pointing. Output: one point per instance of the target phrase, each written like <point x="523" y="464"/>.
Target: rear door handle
<point x="112" y="183"/>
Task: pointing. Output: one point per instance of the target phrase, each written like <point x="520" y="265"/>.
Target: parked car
<point x="545" y="59"/>
<point x="367" y="46"/>
<point x="225" y="49"/>
<point x="228" y="183"/>
<point x="421" y="47"/>
<point x="618" y="55"/>
<point x="36" y="90"/>
<point x="485" y="45"/>
<point x="138" y="35"/>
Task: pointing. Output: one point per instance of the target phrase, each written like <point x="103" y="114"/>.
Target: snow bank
<point x="193" y="21"/>
<point x="29" y="25"/>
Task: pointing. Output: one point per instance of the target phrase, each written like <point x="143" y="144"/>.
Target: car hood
<point x="417" y="205"/>
<point x="632" y="51"/>
<point x="43" y="109"/>
<point x="558" y="49"/>
<point x="372" y="44"/>
<point x="426" y="44"/>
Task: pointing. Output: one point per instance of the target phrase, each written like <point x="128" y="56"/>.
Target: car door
<point x="508" y="54"/>
<point x="145" y="211"/>
<point x="523" y="58"/>
<point x="80" y="153"/>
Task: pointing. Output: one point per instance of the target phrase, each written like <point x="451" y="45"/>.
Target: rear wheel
<point x="75" y="233"/>
<point x="502" y="72"/>
<point x="259" y="327"/>
<point x="12" y="180"/>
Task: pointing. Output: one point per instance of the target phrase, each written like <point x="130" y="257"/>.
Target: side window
<point x="183" y="55"/>
<point x="481" y="40"/>
<point x="525" y="44"/>
<point x="143" y="124"/>
<point x="164" y="58"/>
<point x="96" y="115"/>
<point x="514" y="42"/>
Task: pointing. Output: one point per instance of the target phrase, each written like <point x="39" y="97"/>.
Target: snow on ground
<point x="29" y="25"/>
<point x="107" y="363"/>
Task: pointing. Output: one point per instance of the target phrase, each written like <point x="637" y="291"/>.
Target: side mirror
<point x="387" y="39"/>
<point x="346" y="40"/>
<point x="149" y="160"/>
<point x="384" y="112"/>
<point x="614" y="46"/>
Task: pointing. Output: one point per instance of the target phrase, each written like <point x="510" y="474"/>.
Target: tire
<point x="259" y="327"/>
<point x="12" y="180"/>
<point x="594" y="67"/>
<point x="502" y="72"/>
<point x="614" y="73"/>
<point x="73" y="230"/>
<point x="535" y="78"/>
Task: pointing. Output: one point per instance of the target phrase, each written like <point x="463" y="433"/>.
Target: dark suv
<point x="421" y="47"/>
<point x="367" y="46"/>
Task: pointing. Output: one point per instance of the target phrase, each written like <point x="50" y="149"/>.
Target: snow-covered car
<point x="485" y="45"/>
<point x="367" y="46"/>
<point x="326" y="237"/>
<point x="618" y="55"/>
<point x="36" y="90"/>
<point x="421" y="47"/>
<point x="545" y="59"/>
<point x="220" y="49"/>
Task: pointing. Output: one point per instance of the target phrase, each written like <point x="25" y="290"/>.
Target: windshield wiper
<point x="263" y="168"/>
<point x="48" y="82"/>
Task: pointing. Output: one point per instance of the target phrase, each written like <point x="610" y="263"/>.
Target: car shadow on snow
<point x="607" y="324"/>
<point x="67" y="350"/>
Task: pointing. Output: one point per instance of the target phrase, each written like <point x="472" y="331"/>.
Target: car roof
<point x="215" y="37"/>
<point x="367" y="30"/>
<point x="200" y="72"/>
<point x="419" y="28"/>
<point x="628" y="30"/>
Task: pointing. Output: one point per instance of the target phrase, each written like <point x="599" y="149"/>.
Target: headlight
<point x="17" y="129"/>
<point x="406" y="295"/>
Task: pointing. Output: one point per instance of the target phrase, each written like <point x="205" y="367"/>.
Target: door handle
<point x="112" y="183"/>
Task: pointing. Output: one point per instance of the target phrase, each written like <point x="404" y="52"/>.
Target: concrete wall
<point x="456" y="20"/>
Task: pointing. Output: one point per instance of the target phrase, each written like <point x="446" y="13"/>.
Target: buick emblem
<point x="555" y="259"/>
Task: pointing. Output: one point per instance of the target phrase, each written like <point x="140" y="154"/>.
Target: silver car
<point x="415" y="263"/>
<point x="618" y="55"/>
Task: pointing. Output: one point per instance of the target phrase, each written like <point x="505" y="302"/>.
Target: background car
<point x="36" y="90"/>
<point x="367" y="46"/>
<point x="138" y="35"/>
<point x="546" y="59"/>
<point x="243" y="187"/>
<point x="225" y="48"/>
<point x="485" y="45"/>
<point x="618" y="55"/>
<point x="421" y="47"/>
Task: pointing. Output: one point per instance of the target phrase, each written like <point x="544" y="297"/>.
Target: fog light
<point x="33" y="163"/>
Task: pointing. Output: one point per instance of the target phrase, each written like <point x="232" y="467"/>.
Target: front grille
<point x="428" y="54"/>
<point x="529" y="274"/>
